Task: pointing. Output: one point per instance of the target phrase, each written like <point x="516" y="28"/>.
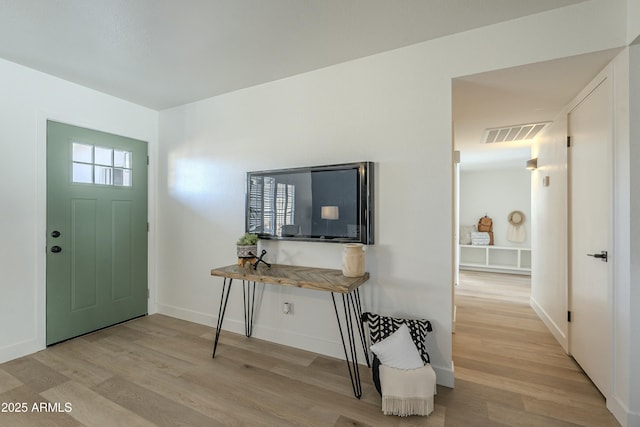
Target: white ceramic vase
<point x="353" y="259"/>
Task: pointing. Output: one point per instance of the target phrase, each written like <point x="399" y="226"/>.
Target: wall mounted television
<point x="332" y="203"/>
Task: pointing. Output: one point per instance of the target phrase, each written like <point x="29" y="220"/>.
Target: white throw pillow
<point x="465" y="234"/>
<point x="398" y="350"/>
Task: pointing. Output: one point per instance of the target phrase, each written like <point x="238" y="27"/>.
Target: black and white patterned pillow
<point x="381" y="327"/>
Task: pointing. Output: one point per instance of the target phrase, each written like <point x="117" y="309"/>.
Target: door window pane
<point x="104" y="175"/>
<point x="104" y="156"/>
<point x="122" y="177"/>
<point x="122" y="159"/>
<point x="82" y="173"/>
<point x="82" y="153"/>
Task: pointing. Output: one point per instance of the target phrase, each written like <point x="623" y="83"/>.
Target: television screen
<point x="320" y="203"/>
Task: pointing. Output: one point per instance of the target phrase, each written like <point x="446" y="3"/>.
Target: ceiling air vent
<point x="513" y="133"/>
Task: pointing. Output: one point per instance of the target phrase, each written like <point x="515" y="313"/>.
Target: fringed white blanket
<point x="407" y="392"/>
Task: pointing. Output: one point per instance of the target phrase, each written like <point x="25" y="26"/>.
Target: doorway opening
<point x="539" y="92"/>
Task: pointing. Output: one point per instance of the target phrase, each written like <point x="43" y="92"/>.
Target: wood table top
<point x="321" y="279"/>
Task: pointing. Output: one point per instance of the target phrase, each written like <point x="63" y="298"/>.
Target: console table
<point x="319" y="279"/>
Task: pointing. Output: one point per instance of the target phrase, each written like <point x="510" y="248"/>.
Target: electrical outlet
<point x="286" y="308"/>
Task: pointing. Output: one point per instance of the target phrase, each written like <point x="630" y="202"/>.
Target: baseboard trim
<point x="625" y="417"/>
<point x="560" y="336"/>
<point x="186" y="314"/>
<point x="287" y="338"/>
<point x="444" y="375"/>
<point x="20" y="349"/>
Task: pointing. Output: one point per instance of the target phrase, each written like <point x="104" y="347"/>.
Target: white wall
<point x="28" y="99"/>
<point x="328" y="116"/>
<point x="393" y="109"/>
<point x="549" y="217"/>
<point x="496" y="192"/>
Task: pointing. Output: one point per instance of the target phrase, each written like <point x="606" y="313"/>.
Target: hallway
<point x="509" y="369"/>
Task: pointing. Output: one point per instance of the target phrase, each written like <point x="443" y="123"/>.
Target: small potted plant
<point x="247" y="245"/>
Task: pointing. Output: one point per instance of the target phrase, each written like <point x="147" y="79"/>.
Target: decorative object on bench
<point x="247" y="248"/>
<point x="485" y="225"/>
<point x="465" y="234"/>
<point x="401" y="370"/>
<point x="480" y="238"/>
<point x="516" y="232"/>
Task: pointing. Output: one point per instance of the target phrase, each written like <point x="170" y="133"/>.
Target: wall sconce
<point x="532" y="164"/>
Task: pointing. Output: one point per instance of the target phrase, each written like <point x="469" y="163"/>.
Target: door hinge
<point x="568" y="141"/>
<point x="568" y="316"/>
<point x="147" y="293"/>
<point x="147" y="160"/>
<point x="147" y="226"/>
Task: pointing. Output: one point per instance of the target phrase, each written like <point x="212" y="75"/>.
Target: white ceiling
<point x="165" y="53"/>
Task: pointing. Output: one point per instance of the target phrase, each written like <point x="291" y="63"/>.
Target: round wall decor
<point x="516" y="218"/>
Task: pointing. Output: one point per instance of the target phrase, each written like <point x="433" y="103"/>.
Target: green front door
<point x="96" y="230"/>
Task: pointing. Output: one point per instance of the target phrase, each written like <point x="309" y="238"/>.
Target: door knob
<point x="55" y="234"/>
<point x="604" y="257"/>
<point x="56" y="249"/>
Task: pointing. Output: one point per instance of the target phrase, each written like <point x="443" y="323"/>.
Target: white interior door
<point x="590" y="128"/>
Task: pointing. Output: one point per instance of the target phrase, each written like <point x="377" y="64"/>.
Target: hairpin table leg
<point x="357" y="305"/>
<point x="249" y="294"/>
<point x="350" y="355"/>
<point x="226" y="287"/>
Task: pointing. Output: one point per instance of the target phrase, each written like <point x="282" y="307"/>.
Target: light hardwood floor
<point x="509" y="369"/>
<point x="158" y="371"/>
